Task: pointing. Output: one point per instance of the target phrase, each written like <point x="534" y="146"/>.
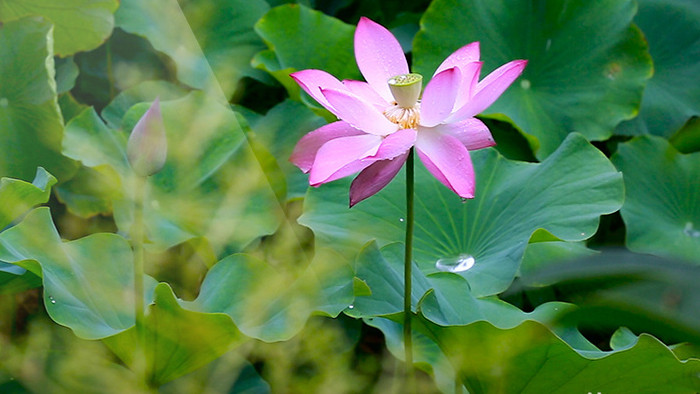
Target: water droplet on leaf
<point x="401" y="219"/>
<point x="459" y="263"/>
<point x="52" y="300"/>
<point x="351" y="306"/>
<point x="525" y="84"/>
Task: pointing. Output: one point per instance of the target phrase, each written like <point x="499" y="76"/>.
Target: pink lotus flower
<point x="381" y="119"/>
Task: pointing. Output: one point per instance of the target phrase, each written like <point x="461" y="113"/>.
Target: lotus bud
<point x="148" y="147"/>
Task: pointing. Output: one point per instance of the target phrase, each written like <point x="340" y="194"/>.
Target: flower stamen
<point x="406" y="118"/>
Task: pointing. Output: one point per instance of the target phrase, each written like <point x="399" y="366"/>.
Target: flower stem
<point x="408" y="261"/>
<point x="137" y="236"/>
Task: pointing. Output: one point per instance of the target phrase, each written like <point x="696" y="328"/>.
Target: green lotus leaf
<point x="382" y="272"/>
<point x="239" y="286"/>
<point x="672" y="28"/>
<point x="587" y="63"/>
<point x="618" y="288"/>
<point x="565" y="194"/>
<point x="225" y="32"/>
<point x="87" y="131"/>
<point x="164" y="25"/>
<point x="18" y="196"/>
<point x="87" y="282"/>
<point x="267" y="61"/>
<point x="661" y="212"/>
<point x="444" y="298"/>
<point x="79" y="25"/>
<point x="178" y="341"/>
<point x="287" y="30"/>
<point x="31" y="126"/>
<point x="623" y="338"/>
<point x="529" y="358"/>
<point x="249" y="381"/>
<point x="279" y="130"/>
<point x="336" y="286"/>
<point x="15" y="279"/>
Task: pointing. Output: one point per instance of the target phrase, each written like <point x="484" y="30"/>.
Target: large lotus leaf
<point x="240" y="286"/>
<point x="178" y="341"/>
<point x="279" y="130"/>
<point x="79" y="25"/>
<point x="164" y="25"/>
<point x="211" y="185"/>
<point x="587" y="63"/>
<point x="19" y="196"/>
<point x="565" y="194"/>
<point x="88" y="283"/>
<point x="529" y="358"/>
<point x="661" y="212"/>
<point x="303" y="38"/>
<point x="224" y="29"/>
<point x="618" y="288"/>
<point x="31" y="126"/>
<point x="672" y="28"/>
<point x="443" y="297"/>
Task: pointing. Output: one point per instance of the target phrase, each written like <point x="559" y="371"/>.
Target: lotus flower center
<point x="406" y="118"/>
<point x="405" y="111"/>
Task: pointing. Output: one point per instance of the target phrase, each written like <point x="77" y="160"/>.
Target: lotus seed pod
<point x="406" y="89"/>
